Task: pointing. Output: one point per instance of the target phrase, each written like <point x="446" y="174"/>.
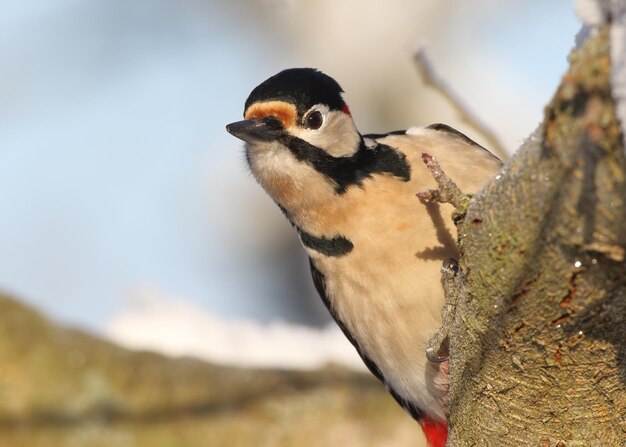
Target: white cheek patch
<point x="268" y="159"/>
<point x="337" y="136"/>
<point x="283" y="176"/>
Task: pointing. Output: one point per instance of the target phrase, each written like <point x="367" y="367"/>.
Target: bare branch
<point x="431" y="78"/>
<point x="447" y="192"/>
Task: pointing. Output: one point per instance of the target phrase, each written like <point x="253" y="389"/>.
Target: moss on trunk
<point x="538" y="346"/>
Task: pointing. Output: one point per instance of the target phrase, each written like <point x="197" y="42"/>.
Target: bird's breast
<point x="385" y="290"/>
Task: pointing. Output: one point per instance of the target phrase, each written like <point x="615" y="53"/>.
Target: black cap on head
<point x="303" y="87"/>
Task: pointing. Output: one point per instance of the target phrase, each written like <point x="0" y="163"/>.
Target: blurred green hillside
<point x="64" y="387"/>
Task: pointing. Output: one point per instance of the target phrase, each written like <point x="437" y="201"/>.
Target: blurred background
<point x="126" y="210"/>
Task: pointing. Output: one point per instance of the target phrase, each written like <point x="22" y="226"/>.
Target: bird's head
<point x="297" y="130"/>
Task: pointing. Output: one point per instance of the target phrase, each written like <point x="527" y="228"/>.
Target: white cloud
<point x="180" y="327"/>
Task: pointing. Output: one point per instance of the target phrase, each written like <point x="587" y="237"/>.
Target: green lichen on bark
<point x="538" y="345"/>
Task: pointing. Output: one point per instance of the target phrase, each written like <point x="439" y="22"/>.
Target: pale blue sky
<point x="116" y="171"/>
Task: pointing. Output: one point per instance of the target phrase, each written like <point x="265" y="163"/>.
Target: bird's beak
<point x="255" y="130"/>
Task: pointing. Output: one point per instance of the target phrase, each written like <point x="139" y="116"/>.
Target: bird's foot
<point x="437" y="350"/>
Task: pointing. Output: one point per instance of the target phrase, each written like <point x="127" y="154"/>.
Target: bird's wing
<point x="466" y="162"/>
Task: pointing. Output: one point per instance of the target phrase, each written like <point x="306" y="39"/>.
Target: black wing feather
<point x="452" y="131"/>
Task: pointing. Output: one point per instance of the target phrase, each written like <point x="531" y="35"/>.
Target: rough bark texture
<point x="538" y="344"/>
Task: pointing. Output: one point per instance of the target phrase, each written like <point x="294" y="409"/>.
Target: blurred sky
<point x="118" y="180"/>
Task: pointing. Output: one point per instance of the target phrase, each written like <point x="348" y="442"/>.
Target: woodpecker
<point x="375" y="251"/>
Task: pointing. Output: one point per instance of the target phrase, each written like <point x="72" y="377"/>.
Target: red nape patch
<point x="436" y="432"/>
<point x="345" y="109"/>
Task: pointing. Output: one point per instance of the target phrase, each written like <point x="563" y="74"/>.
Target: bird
<point x="375" y="250"/>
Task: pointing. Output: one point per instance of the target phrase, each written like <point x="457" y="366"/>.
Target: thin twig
<point x="431" y="78"/>
<point x="447" y="192"/>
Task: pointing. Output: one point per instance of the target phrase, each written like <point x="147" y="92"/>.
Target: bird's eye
<point x="314" y="120"/>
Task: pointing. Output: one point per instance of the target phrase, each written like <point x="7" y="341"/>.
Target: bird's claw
<point x="438" y="348"/>
<point x="438" y="351"/>
<point x="449" y="269"/>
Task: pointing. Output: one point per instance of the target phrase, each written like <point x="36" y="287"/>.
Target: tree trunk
<point x="538" y="342"/>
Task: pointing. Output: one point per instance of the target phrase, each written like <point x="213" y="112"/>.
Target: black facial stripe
<point x="352" y="170"/>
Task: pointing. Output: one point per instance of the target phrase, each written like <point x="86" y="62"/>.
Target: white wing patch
<point x="417" y="130"/>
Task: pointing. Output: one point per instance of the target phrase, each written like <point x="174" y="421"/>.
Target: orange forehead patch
<point x="285" y="112"/>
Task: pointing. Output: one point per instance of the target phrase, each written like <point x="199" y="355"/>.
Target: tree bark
<point x="538" y="340"/>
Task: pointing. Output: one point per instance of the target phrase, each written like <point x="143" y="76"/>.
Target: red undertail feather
<point x="436" y="432"/>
